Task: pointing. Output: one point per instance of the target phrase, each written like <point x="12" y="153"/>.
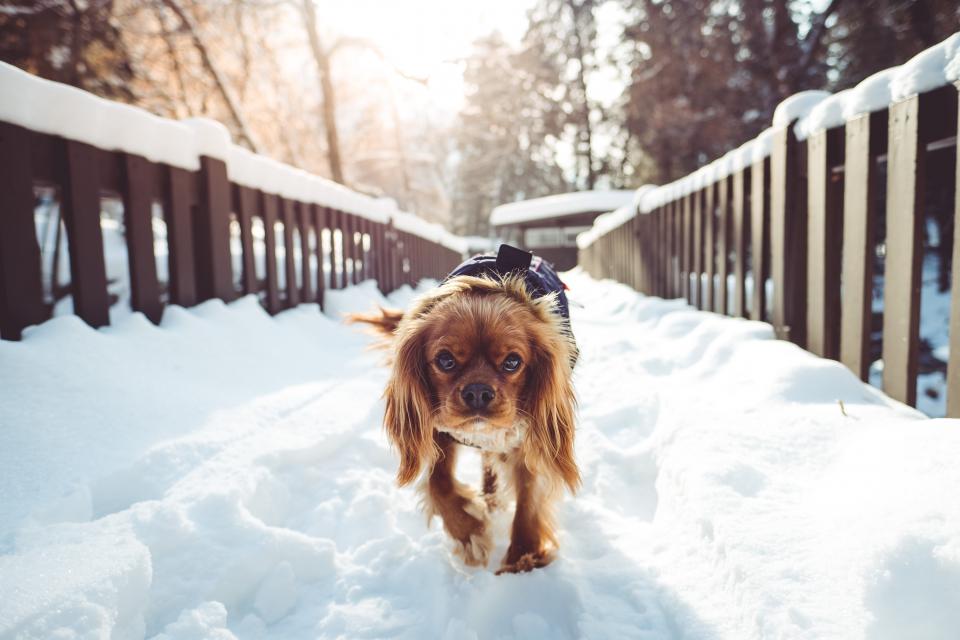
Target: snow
<point x="872" y="94"/>
<point x="224" y="475"/>
<point x="928" y="70"/>
<point x="565" y="204"/>
<point x="828" y="113"/>
<point x="797" y="106"/>
<point x="762" y="145"/>
<point x="58" y="109"/>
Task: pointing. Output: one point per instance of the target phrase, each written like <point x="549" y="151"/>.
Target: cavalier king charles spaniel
<point x="485" y="362"/>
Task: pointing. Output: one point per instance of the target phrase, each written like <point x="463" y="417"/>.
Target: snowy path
<point x="225" y="476"/>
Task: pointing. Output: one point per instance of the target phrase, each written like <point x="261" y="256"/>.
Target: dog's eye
<point x="445" y="361"/>
<point x="512" y="362"/>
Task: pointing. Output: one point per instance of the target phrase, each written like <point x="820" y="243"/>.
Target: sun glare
<point x="426" y="39"/>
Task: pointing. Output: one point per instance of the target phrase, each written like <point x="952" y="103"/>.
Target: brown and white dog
<point x="479" y="361"/>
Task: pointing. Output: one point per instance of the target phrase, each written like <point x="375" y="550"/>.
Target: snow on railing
<point x="71" y="113"/>
<point x="234" y="222"/>
<point x="772" y="228"/>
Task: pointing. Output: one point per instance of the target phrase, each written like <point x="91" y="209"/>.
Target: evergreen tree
<point x="506" y="137"/>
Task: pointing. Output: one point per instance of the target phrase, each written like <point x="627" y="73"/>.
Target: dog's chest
<point x="486" y="438"/>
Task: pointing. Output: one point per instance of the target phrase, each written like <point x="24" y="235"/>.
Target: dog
<point x="486" y="360"/>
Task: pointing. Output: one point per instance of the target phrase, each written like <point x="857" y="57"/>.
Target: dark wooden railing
<point x="806" y="217"/>
<point x="198" y="208"/>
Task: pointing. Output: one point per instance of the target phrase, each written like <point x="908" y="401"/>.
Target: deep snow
<point x="224" y="475"/>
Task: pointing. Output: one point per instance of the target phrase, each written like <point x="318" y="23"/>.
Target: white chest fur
<point x="488" y="438"/>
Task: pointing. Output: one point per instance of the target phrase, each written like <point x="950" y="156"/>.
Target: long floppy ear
<point x="407" y="417"/>
<point x="552" y="406"/>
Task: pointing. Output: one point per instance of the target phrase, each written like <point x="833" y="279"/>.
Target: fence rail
<point x="199" y="207"/>
<point x="804" y="214"/>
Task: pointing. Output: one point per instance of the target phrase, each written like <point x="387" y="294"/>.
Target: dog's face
<point x="484" y="358"/>
<point x="479" y="354"/>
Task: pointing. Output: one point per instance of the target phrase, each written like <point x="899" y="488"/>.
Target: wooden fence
<point x="806" y="218"/>
<point x="198" y="208"/>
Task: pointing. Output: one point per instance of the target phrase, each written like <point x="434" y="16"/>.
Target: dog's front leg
<point x="533" y="542"/>
<point x="464" y="515"/>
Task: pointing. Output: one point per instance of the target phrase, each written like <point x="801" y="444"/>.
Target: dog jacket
<point x="539" y="276"/>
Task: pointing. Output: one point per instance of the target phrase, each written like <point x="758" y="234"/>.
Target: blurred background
<point x="451" y="107"/>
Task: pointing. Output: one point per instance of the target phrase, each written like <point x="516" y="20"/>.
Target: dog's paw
<point x="474" y="545"/>
<point x="475" y="551"/>
<point x="528" y="562"/>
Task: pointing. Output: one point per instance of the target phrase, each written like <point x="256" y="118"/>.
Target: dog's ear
<point x="407" y="417"/>
<point x="551" y="403"/>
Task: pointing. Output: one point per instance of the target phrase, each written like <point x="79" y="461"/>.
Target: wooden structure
<point x="198" y="208"/>
<point x="549" y="226"/>
<point x="806" y="218"/>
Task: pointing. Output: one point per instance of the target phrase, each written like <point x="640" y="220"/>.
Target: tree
<point x="708" y="74"/>
<point x="77" y="43"/>
<point x="559" y="55"/>
<point x="870" y="35"/>
<point x="506" y="138"/>
<point x="236" y="113"/>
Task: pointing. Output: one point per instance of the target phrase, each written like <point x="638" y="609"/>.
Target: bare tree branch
<point x="167" y="36"/>
<point x="328" y="102"/>
<point x="815" y="36"/>
<point x="214" y="73"/>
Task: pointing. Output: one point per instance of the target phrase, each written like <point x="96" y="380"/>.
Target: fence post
<point x="663" y="268"/>
<point x="270" y="216"/>
<point x="788" y="241"/>
<point x="905" y="175"/>
<point x="178" y="195"/>
<point x="953" y="366"/>
<point x="686" y="248"/>
<point x="305" y="220"/>
<point x="741" y="188"/>
<point x="632" y="228"/>
<point x="384" y="257"/>
<point x="697" y="212"/>
<point x="335" y="222"/>
<point x="289" y="264"/>
<point x="676" y="235"/>
<point x="866" y="138"/>
<point x="912" y="123"/>
<point x="759" y="235"/>
<point x="825" y="236"/>
<point x="21" y="282"/>
<point x="723" y="244"/>
<point x="243" y="199"/>
<point x="710" y="245"/>
<point x="369" y="262"/>
<point x="212" y="233"/>
<point x="346" y="242"/>
<point x="80" y="202"/>
<point x="138" y="181"/>
<point x="320" y="223"/>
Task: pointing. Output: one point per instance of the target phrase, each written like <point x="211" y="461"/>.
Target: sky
<point x="428" y="38"/>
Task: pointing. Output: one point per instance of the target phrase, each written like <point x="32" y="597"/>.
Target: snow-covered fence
<point x="796" y="212"/>
<point x="235" y="223"/>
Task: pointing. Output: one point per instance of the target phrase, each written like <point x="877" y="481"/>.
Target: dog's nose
<point x="477" y="395"/>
